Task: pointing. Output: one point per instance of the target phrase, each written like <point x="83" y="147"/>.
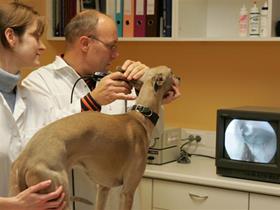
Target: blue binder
<point x="167" y="18"/>
<point x="119" y="16"/>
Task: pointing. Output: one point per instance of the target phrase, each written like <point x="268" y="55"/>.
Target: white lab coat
<point x="10" y="138"/>
<point x="48" y="91"/>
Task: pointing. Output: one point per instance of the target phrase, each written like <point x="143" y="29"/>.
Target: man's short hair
<point x="83" y="24"/>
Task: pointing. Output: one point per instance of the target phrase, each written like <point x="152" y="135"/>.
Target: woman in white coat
<point x="20" y="30"/>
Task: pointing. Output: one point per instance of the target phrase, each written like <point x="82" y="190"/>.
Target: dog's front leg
<point x="132" y="177"/>
<point x="101" y="197"/>
<point x="128" y="190"/>
<point x="126" y="200"/>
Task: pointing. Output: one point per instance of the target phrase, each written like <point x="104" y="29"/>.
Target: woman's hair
<point x="19" y="17"/>
<point x="83" y="24"/>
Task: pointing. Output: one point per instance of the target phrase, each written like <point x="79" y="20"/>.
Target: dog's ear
<point x="158" y="81"/>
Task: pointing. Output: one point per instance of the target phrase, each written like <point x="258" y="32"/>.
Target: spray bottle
<point x="254" y="21"/>
<point x="264" y="21"/>
<point x="243" y="22"/>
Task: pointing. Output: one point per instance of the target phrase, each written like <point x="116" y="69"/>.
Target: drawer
<point x="260" y="202"/>
<point x="178" y="196"/>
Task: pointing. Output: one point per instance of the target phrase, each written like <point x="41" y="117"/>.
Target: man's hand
<point x="111" y="88"/>
<point x="30" y="199"/>
<point x="114" y="86"/>
<point x="134" y="70"/>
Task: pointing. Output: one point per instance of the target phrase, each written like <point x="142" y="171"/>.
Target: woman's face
<point x="28" y="48"/>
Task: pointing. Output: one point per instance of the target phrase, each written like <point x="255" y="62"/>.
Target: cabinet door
<point x="260" y="202"/>
<point x="86" y="189"/>
<point x="145" y="191"/>
<point x="179" y="196"/>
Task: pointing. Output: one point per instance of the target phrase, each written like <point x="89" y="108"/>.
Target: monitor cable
<point x="184" y="156"/>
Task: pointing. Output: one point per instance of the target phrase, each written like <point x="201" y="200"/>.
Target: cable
<point x="190" y="139"/>
<point x="184" y="156"/>
<point x="201" y="155"/>
<point x="95" y="77"/>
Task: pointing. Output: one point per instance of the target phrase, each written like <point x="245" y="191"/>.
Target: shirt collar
<point x="8" y="81"/>
<point x="60" y="63"/>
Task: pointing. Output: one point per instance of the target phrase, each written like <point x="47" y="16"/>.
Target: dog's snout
<point x="177" y="78"/>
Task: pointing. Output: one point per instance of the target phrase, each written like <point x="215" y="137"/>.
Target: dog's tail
<point x="80" y="199"/>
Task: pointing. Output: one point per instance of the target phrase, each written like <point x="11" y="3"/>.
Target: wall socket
<point x="207" y="144"/>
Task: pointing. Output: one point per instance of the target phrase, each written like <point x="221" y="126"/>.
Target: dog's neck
<point x="148" y="102"/>
<point x="148" y="98"/>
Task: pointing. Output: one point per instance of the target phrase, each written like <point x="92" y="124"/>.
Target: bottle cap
<point x="265" y="6"/>
<point x="243" y="10"/>
<point x="254" y="9"/>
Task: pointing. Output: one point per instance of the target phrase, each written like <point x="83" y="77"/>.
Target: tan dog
<point x="111" y="148"/>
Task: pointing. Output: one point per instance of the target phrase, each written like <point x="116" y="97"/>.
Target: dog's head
<point x="161" y="79"/>
<point x="160" y="76"/>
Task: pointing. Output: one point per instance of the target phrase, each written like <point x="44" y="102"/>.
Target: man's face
<point x="104" y="45"/>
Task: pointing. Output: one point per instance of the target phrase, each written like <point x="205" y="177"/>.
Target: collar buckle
<point x="147" y="112"/>
<point x="142" y="109"/>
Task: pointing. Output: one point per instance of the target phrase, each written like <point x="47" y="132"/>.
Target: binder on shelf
<point x="70" y="10"/>
<point x="56" y="21"/>
<point x="97" y="5"/>
<point x="152" y="18"/>
<point x="73" y="8"/>
<point x="119" y="16"/>
<point x="102" y="6"/>
<point x="167" y="18"/>
<point x="78" y="5"/>
<point x="88" y="4"/>
<point x="140" y="18"/>
<point x="128" y="18"/>
<point x="62" y="18"/>
<point x="110" y="8"/>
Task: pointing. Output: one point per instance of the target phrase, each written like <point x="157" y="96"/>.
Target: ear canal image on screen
<point x="251" y="141"/>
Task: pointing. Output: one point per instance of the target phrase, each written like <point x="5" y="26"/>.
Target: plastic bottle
<point x="243" y="22"/>
<point x="264" y="21"/>
<point x="254" y="21"/>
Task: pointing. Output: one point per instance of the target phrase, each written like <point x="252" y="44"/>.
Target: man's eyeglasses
<point x="112" y="47"/>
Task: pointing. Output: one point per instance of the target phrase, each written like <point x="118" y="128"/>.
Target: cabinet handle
<point x="198" y="197"/>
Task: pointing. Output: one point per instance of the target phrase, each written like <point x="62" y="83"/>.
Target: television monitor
<point x="248" y="143"/>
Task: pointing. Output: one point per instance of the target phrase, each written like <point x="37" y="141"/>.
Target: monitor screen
<point x="250" y="140"/>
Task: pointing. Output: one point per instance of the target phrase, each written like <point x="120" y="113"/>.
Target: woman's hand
<point x="30" y="199"/>
<point x="172" y="94"/>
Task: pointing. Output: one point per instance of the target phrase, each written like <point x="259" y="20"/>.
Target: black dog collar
<point x="146" y="112"/>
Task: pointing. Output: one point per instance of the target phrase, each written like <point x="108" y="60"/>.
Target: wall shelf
<point x="202" y="20"/>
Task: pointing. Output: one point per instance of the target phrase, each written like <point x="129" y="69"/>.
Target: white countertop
<point x="202" y="171"/>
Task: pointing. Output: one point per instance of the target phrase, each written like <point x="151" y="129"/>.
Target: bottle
<point x="243" y="22"/>
<point x="264" y="21"/>
<point x="254" y="21"/>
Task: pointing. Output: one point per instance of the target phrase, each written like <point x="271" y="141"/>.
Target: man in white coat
<point x="91" y="45"/>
